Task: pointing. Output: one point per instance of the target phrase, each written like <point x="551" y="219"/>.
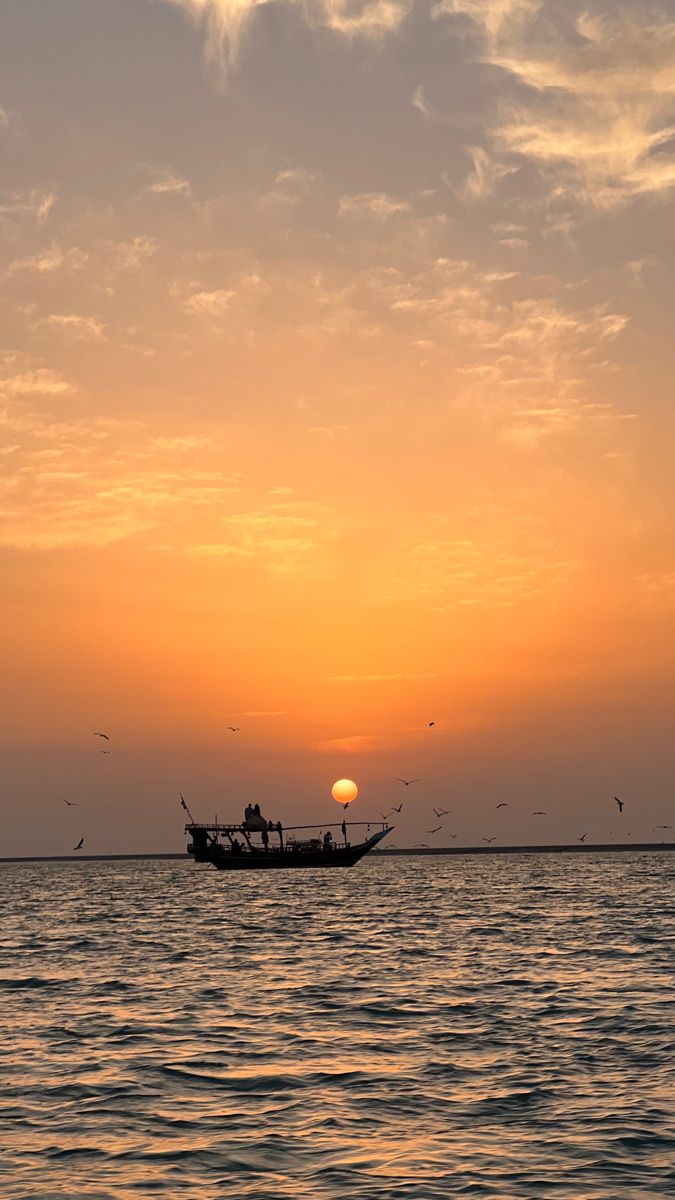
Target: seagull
<point x="383" y="815"/>
<point x="422" y="845"/>
<point x="663" y="827"/>
<point x="430" y="724"/>
<point x="442" y="812"/>
<point x="539" y="812"/>
<point x="407" y="782"/>
<point x="583" y="837"/>
<point x="70" y="803"/>
<point x="104" y="751"/>
<point x="452" y="835"/>
<point x="103" y="735"/>
<point x="396" y="809"/>
<point x="434" y="830"/>
<point x="79" y="845"/>
<point x="492" y="839"/>
<point x="234" y="728"/>
<point x="503" y="805"/>
<point x="620" y="803"/>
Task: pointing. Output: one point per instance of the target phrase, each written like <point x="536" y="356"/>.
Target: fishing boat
<point x="255" y="846"/>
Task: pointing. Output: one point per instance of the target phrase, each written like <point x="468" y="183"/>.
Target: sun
<point x="344" y="791"/>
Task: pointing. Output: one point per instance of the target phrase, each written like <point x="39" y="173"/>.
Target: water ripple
<point x="413" y="1028"/>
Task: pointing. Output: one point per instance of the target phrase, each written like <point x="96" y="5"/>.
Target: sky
<point x="336" y="397"/>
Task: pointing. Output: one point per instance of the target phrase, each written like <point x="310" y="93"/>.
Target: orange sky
<point x="336" y="397"/>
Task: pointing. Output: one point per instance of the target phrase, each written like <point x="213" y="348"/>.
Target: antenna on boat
<point x="184" y="805"/>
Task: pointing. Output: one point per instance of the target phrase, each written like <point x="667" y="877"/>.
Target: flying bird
<point x="492" y="839"/>
<point x="663" y="827"/>
<point x="79" y="845"/>
<point x="407" y="782"/>
<point x="103" y="735"/>
<point x="539" y="812"/>
<point x="430" y="724"/>
<point x="70" y="803"/>
<point x="503" y="805"/>
<point x="422" y="846"/>
<point x="620" y="803"/>
<point x="583" y="837"/>
<point x="234" y="728"/>
<point x="434" y="830"/>
<point x="394" y="809"/>
<point x="104" y="751"/>
<point x="442" y="812"/>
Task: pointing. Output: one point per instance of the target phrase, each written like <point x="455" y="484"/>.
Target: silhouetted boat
<point x="246" y="848"/>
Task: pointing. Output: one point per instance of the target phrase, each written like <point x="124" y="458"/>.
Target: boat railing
<point x="216" y="827"/>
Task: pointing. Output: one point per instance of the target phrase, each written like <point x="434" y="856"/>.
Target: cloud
<point x="397" y="677"/>
<point x="170" y="186"/>
<point x="356" y="743"/>
<point x="377" y="205"/>
<point x="47" y="261"/>
<point x="283" y="537"/>
<point x="78" y="326"/>
<point x="32" y="206"/>
<point x="41" y="382"/>
<point x="485" y="176"/>
<point x="210" y="304"/>
<point x="94" y="482"/>
<point x="592" y="101"/>
<point x="226" y="22"/>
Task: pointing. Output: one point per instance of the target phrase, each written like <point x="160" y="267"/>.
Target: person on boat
<point x="248" y="812"/>
<point x="328" y="840"/>
<point x="280" y="830"/>
<point x="236" y="846"/>
<point x="265" y="838"/>
<point x="344" y="830"/>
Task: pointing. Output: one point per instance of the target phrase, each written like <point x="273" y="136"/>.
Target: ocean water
<point x="417" y="1027"/>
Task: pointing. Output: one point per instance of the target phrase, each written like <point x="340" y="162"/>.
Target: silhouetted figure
<point x="620" y="803"/>
<point x="70" y="803"/>
<point x="233" y="728"/>
<point x="103" y="735"/>
<point x="344" y="830"/>
<point x="442" y="812"/>
<point x="265" y="838"/>
<point x="407" y="782"/>
<point x="328" y="840"/>
<point x="503" y="805"/>
<point x="79" y="845"/>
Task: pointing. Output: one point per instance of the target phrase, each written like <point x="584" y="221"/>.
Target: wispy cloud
<point x="170" y="185"/>
<point x="377" y="205"/>
<point x="226" y="22"/>
<point x="593" y="101"/>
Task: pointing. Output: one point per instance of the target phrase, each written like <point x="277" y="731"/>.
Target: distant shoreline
<point x="582" y="848"/>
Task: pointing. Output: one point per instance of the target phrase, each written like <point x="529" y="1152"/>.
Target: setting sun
<point x="344" y="791"/>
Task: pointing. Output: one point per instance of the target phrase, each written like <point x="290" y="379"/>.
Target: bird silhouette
<point x="430" y="724"/>
<point x="395" y="809"/>
<point x="539" y="812"/>
<point x="234" y="728"/>
<point x="70" y="803"/>
<point x="620" y="803"/>
<point x="422" y="845"/>
<point x="434" y="830"/>
<point x="407" y="782"/>
<point x="103" y="735"/>
<point x="492" y="839"/>
<point x="104" y="751"/>
<point x="383" y="815"/>
<point x="503" y="805"/>
<point x="79" y="845"/>
<point x="583" y="837"/>
<point x="442" y="812"/>
<point x="663" y="827"/>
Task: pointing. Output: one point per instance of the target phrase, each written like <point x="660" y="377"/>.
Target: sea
<point x="498" y="1027"/>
